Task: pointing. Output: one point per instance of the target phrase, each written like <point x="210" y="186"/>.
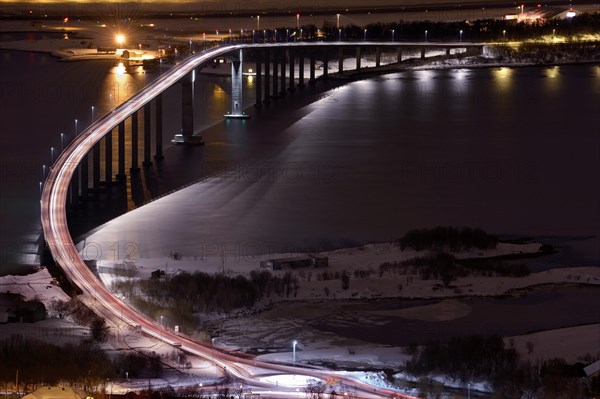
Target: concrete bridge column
<point x="422" y="53"/>
<point x="121" y="144"/>
<point x="147" y="134"/>
<point x="283" y="91"/>
<point x="275" y="74"/>
<point x="377" y="57"/>
<point x="134" y="142"/>
<point x="83" y="171"/>
<point x="108" y="158"/>
<point x="292" y="84"/>
<point x="96" y="167"/>
<point x="399" y="54"/>
<point x="301" y="69"/>
<point x="447" y="51"/>
<point x="358" y="56"/>
<point x="187" y="105"/>
<point x="74" y="188"/>
<point x="267" y="77"/>
<point x="159" y="127"/>
<point x="311" y="80"/>
<point x="236" y="89"/>
<point x="340" y="60"/>
<point x="325" y="64"/>
<point x="258" y="83"/>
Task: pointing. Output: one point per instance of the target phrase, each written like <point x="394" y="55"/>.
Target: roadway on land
<point x="96" y="295"/>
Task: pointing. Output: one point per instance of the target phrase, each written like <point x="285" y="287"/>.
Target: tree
<point x="99" y="330"/>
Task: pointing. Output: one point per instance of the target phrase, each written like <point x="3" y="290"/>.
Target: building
<point x="310" y="260"/>
<point x="15" y="309"/>
<point x="592" y="370"/>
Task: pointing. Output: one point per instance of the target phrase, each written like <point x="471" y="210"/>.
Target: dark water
<point x="513" y="151"/>
<point x="537" y="311"/>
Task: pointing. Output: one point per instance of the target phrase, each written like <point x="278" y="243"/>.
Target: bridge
<point x="68" y="178"/>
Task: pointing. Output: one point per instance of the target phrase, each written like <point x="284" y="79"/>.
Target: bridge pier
<point x="275" y="75"/>
<point x="147" y="134"/>
<point x="292" y="84"/>
<point x="399" y="54"/>
<point x="258" y="83"/>
<point x="237" y="90"/>
<point x="377" y="57"/>
<point x="340" y="60"/>
<point x="121" y="145"/>
<point x="447" y="51"/>
<point x="74" y="188"/>
<point x="108" y="158"/>
<point x="301" y="69"/>
<point x="83" y="174"/>
<point x="267" y="55"/>
<point x="422" y="53"/>
<point x="283" y="91"/>
<point x="358" y="56"/>
<point x="96" y="168"/>
<point x="311" y="80"/>
<point x="134" y="143"/>
<point x="187" y="106"/>
<point x="159" y="127"/>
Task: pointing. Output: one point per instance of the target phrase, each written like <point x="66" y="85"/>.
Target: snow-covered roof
<point x="592" y="369"/>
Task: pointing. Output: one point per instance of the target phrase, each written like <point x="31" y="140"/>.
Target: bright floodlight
<point x="120" y="38"/>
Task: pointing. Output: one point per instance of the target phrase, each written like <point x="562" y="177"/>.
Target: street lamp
<point x="365" y="36"/>
<point x="339" y="35"/>
<point x="287" y="35"/>
<point x="258" y="23"/>
<point x="62" y="141"/>
<point x="301" y="34"/>
<point x="51" y="155"/>
<point x="469" y="390"/>
<point x="337" y="25"/>
<point x="294" y="343"/>
<point x="92" y="114"/>
<point x="393" y="34"/>
<point x="298" y="21"/>
<point x="461" y="32"/>
<point x="504" y="34"/>
<point x="426" y="35"/>
<point x="75" y="127"/>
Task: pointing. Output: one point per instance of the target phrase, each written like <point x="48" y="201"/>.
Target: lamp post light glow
<point x="298" y="21"/>
<point x="393" y="34"/>
<point x="120" y="38"/>
<point x="51" y="155"/>
<point x="339" y="35"/>
<point x="365" y="36"/>
<point x="258" y="23"/>
<point x="62" y="142"/>
<point x="294" y="343"/>
<point x="461" y="32"/>
<point x="504" y="34"/>
<point x="92" y="114"/>
<point x="75" y="127"/>
<point x="161" y="327"/>
<point x="426" y="35"/>
<point x="337" y="25"/>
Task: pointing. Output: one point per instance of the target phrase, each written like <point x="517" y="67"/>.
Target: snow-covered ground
<point x="38" y="286"/>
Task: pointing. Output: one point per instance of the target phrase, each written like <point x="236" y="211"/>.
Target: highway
<point x="100" y="299"/>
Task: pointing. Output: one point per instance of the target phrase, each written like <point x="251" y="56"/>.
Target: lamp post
<point x="393" y="34"/>
<point x="62" y="142"/>
<point x="258" y="23"/>
<point x="469" y="390"/>
<point x="294" y="343"/>
<point x="287" y="35"/>
<point x="504" y="34"/>
<point x="426" y="35"/>
<point x="460" y="33"/>
<point x="297" y="21"/>
<point x="337" y="25"/>
<point x="365" y="36"/>
<point x="75" y="127"/>
<point x="92" y="114"/>
<point x="339" y="35"/>
<point x="301" y="34"/>
<point x="51" y="155"/>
